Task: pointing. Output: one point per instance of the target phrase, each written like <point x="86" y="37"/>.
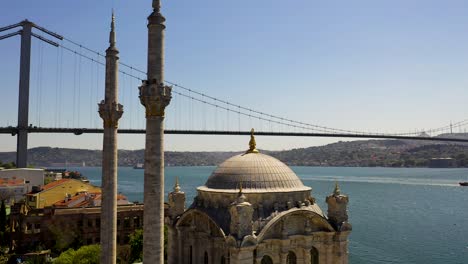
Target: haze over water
<point x="399" y="215"/>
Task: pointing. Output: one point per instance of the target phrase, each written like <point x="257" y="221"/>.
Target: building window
<point x="291" y="258"/>
<point x="118" y="223"/>
<point x="136" y="221"/>
<point x="314" y="256"/>
<point x="205" y="261"/>
<point x="90" y="223"/>
<point x="223" y="260"/>
<point x="98" y="223"/>
<point x="80" y="223"/>
<point x="37" y="226"/>
<point x="266" y="260"/>
<point x="126" y="222"/>
<point x="89" y="241"/>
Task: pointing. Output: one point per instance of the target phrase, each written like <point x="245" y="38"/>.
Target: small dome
<point x="256" y="172"/>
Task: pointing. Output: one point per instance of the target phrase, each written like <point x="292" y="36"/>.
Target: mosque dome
<point x="256" y="172"/>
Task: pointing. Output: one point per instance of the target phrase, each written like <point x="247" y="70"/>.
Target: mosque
<point x="255" y="209"/>
<point x="252" y="209"/>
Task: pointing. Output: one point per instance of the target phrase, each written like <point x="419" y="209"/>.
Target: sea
<point x="399" y="215"/>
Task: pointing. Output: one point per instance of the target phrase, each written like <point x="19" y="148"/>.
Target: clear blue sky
<point x="365" y="65"/>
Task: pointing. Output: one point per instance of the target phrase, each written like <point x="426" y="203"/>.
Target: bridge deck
<point x="78" y="131"/>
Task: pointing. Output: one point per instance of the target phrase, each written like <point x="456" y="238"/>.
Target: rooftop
<point x="4" y="182"/>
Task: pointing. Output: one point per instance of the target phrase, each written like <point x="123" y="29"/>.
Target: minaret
<point x="110" y="111"/>
<point x="241" y="213"/>
<point x="155" y="96"/>
<point x="176" y="208"/>
<point x="338" y="210"/>
<point x="176" y="201"/>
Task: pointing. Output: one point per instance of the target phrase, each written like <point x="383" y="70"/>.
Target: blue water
<point x="399" y="215"/>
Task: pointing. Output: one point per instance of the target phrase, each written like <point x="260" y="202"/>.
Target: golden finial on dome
<point x="252" y="143"/>
<point x="177" y="186"/>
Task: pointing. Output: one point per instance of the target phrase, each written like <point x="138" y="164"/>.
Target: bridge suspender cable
<point x="193" y="95"/>
<point x="273" y="119"/>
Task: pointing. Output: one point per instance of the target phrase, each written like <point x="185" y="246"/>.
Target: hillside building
<point x="49" y="194"/>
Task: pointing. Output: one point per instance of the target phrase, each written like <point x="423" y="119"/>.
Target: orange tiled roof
<point x="82" y="195"/>
<point x="11" y="182"/>
<point x="54" y="183"/>
<point x="86" y="202"/>
<point x="121" y="197"/>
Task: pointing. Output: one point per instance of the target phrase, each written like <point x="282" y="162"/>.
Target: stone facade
<point x="268" y="217"/>
<point x="47" y="227"/>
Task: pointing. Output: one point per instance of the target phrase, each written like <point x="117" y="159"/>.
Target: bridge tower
<point x="155" y="96"/>
<point x="25" y="70"/>
<point x="110" y="111"/>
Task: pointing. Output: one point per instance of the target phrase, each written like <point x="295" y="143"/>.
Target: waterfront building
<point x="255" y="209"/>
<point x="49" y="194"/>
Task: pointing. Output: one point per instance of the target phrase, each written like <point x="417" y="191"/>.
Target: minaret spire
<point x="157" y="5"/>
<point x="112" y="32"/>
<point x="337" y="190"/>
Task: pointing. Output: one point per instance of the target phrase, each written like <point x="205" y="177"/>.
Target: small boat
<point x="463" y="183"/>
<point x="139" y="166"/>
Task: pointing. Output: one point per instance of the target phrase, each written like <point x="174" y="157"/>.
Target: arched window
<point x="291" y="258"/>
<point x="205" y="261"/>
<point x="266" y="260"/>
<point x="314" y="256"/>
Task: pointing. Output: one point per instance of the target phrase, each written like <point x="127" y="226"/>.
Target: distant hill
<point x="362" y="153"/>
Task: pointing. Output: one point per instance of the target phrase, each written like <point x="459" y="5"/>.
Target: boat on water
<point x="463" y="183"/>
<point x="139" y="166"/>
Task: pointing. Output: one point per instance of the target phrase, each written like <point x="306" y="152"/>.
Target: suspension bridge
<point x="54" y="109"/>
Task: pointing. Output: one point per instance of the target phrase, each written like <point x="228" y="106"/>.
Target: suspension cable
<point x="282" y="120"/>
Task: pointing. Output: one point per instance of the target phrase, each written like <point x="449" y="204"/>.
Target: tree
<point x="3" y="217"/>
<point x="65" y="236"/>
<point x="3" y="225"/>
<point x="9" y="165"/>
<point x="84" y="255"/>
<point x="136" y="246"/>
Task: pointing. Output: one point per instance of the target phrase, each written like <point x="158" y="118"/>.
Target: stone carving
<point x="155" y="97"/>
<point x="110" y="113"/>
